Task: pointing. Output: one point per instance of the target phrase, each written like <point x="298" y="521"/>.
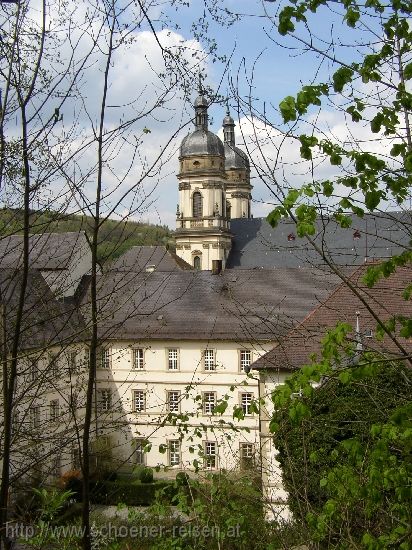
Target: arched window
<point x="197" y="205"/>
<point x="196" y="262"/>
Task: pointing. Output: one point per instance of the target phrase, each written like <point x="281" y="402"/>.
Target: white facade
<point x="275" y="497"/>
<point x="164" y="392"/>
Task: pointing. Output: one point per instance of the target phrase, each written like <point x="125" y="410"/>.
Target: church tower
<point x="238" y="187"/>
<point x="203" y="237"/>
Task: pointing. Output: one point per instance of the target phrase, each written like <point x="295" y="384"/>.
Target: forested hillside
<point x="115" y="236"/>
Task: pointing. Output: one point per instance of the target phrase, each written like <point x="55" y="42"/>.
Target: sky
<point x="263" y="68"/>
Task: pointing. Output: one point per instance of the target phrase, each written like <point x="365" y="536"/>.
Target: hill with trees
<point x="115" y="236"/>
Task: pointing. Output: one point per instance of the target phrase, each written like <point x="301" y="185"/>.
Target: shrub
<point x="335" y="460"/>
<point x="182" y="478"/>
<point x="131" y="494"/>
<point x="146" y="475"/>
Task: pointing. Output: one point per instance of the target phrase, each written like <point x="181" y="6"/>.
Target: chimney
<point x="216" y="267"/>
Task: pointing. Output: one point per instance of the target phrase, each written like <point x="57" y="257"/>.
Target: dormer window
<point x="357" y="234"/>
<point x="291" y="237"/>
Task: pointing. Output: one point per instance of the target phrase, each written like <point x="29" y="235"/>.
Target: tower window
<point x="196" y="262"/>
<point x="197" y="205"/>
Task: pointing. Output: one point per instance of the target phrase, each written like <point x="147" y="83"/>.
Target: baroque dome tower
<point x="238" y="187"/>
<point x="203" y="238"/>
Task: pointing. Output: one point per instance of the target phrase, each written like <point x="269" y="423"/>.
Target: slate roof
<point x="45" y="320"/>
<point x="385" y="298"/>
<point x="196" y="305"/>
<point x="256" y="243"/>
<point x="140" y="258"/>
<point x="201" y="142"/>
<point x="47" y="250"/>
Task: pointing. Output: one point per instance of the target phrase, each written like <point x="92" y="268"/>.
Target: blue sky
<point x="278" y="67"/>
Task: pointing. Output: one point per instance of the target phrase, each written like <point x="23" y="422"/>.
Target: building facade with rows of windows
<point x="177" y="332"/>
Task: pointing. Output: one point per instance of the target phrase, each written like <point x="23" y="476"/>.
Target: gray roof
<point x="201" y="142"/>
<point x="46" y="250"/>
<point x="142" y="258"/>
<point x="376" y="236"/>
<point x="235" y="158"/>
<point x="45" y="320"/>
<point x="241" y="305"/>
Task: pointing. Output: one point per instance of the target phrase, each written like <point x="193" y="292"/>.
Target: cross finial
<point x="200" y="84"/>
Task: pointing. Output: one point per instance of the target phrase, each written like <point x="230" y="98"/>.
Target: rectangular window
<point x="105" y="400"/>
<point x="209" y="402"/>
<point x="53" y="365"/>
<point x="138" y="359"/>
<point x="35" y="417"/>
<point x="173" y="401"/>
<point x="105" y="358"/>
<point x="72" y="362"/>
<point x="245" y="358"/>
<point x="209" y="362"/>
<point x="54" y="410"/>
<point x="140" y="455"/>
<point x="210" y="452"/>
<point x="246" y="402"/>
<point x="139" y="400"/>
<point x="247" y="453"/>
<point x="173" y="359"/>
<point x="174" y="452"/>
<point x="34" y="370"/>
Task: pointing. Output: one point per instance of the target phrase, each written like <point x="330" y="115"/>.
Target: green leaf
<point x="407" y="71"/>
<point x="352" y="17"/>
<point x="341" y="77"/>
<point x="408" y="162"/>
<point x="288" y="109"/>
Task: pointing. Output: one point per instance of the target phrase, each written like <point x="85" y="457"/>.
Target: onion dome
<point x="201" y="141"/>
<point x="235" y="158"/>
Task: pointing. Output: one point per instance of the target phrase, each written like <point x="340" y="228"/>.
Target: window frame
<point x="169" y="359"/>
<point x="175" y="452"/>
<point x="246" y="466"/>
<point x="134" y="408"/>
<point x="53" y="364"/>
<point x="106" y="358"/>
<point x="140" y="361"/>
<point x="246" y="406"/>
<point x="73" y="366"/>
<point x="206" y="403"/>
<point x="241" y="352"/>
<point x="139" y="445"/>
<point x="34" y="370"/>
<point x="208" y="456"/>
<point x="176" y="403"/>
<point x="197" y="205"/>
<point x="212" y="366"/>
<point x="35" y="420"/>
<point x="54" y="410"/>
<point x="105" y="405"/>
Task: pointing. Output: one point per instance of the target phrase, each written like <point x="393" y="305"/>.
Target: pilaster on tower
<point x="203" y="237"/>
